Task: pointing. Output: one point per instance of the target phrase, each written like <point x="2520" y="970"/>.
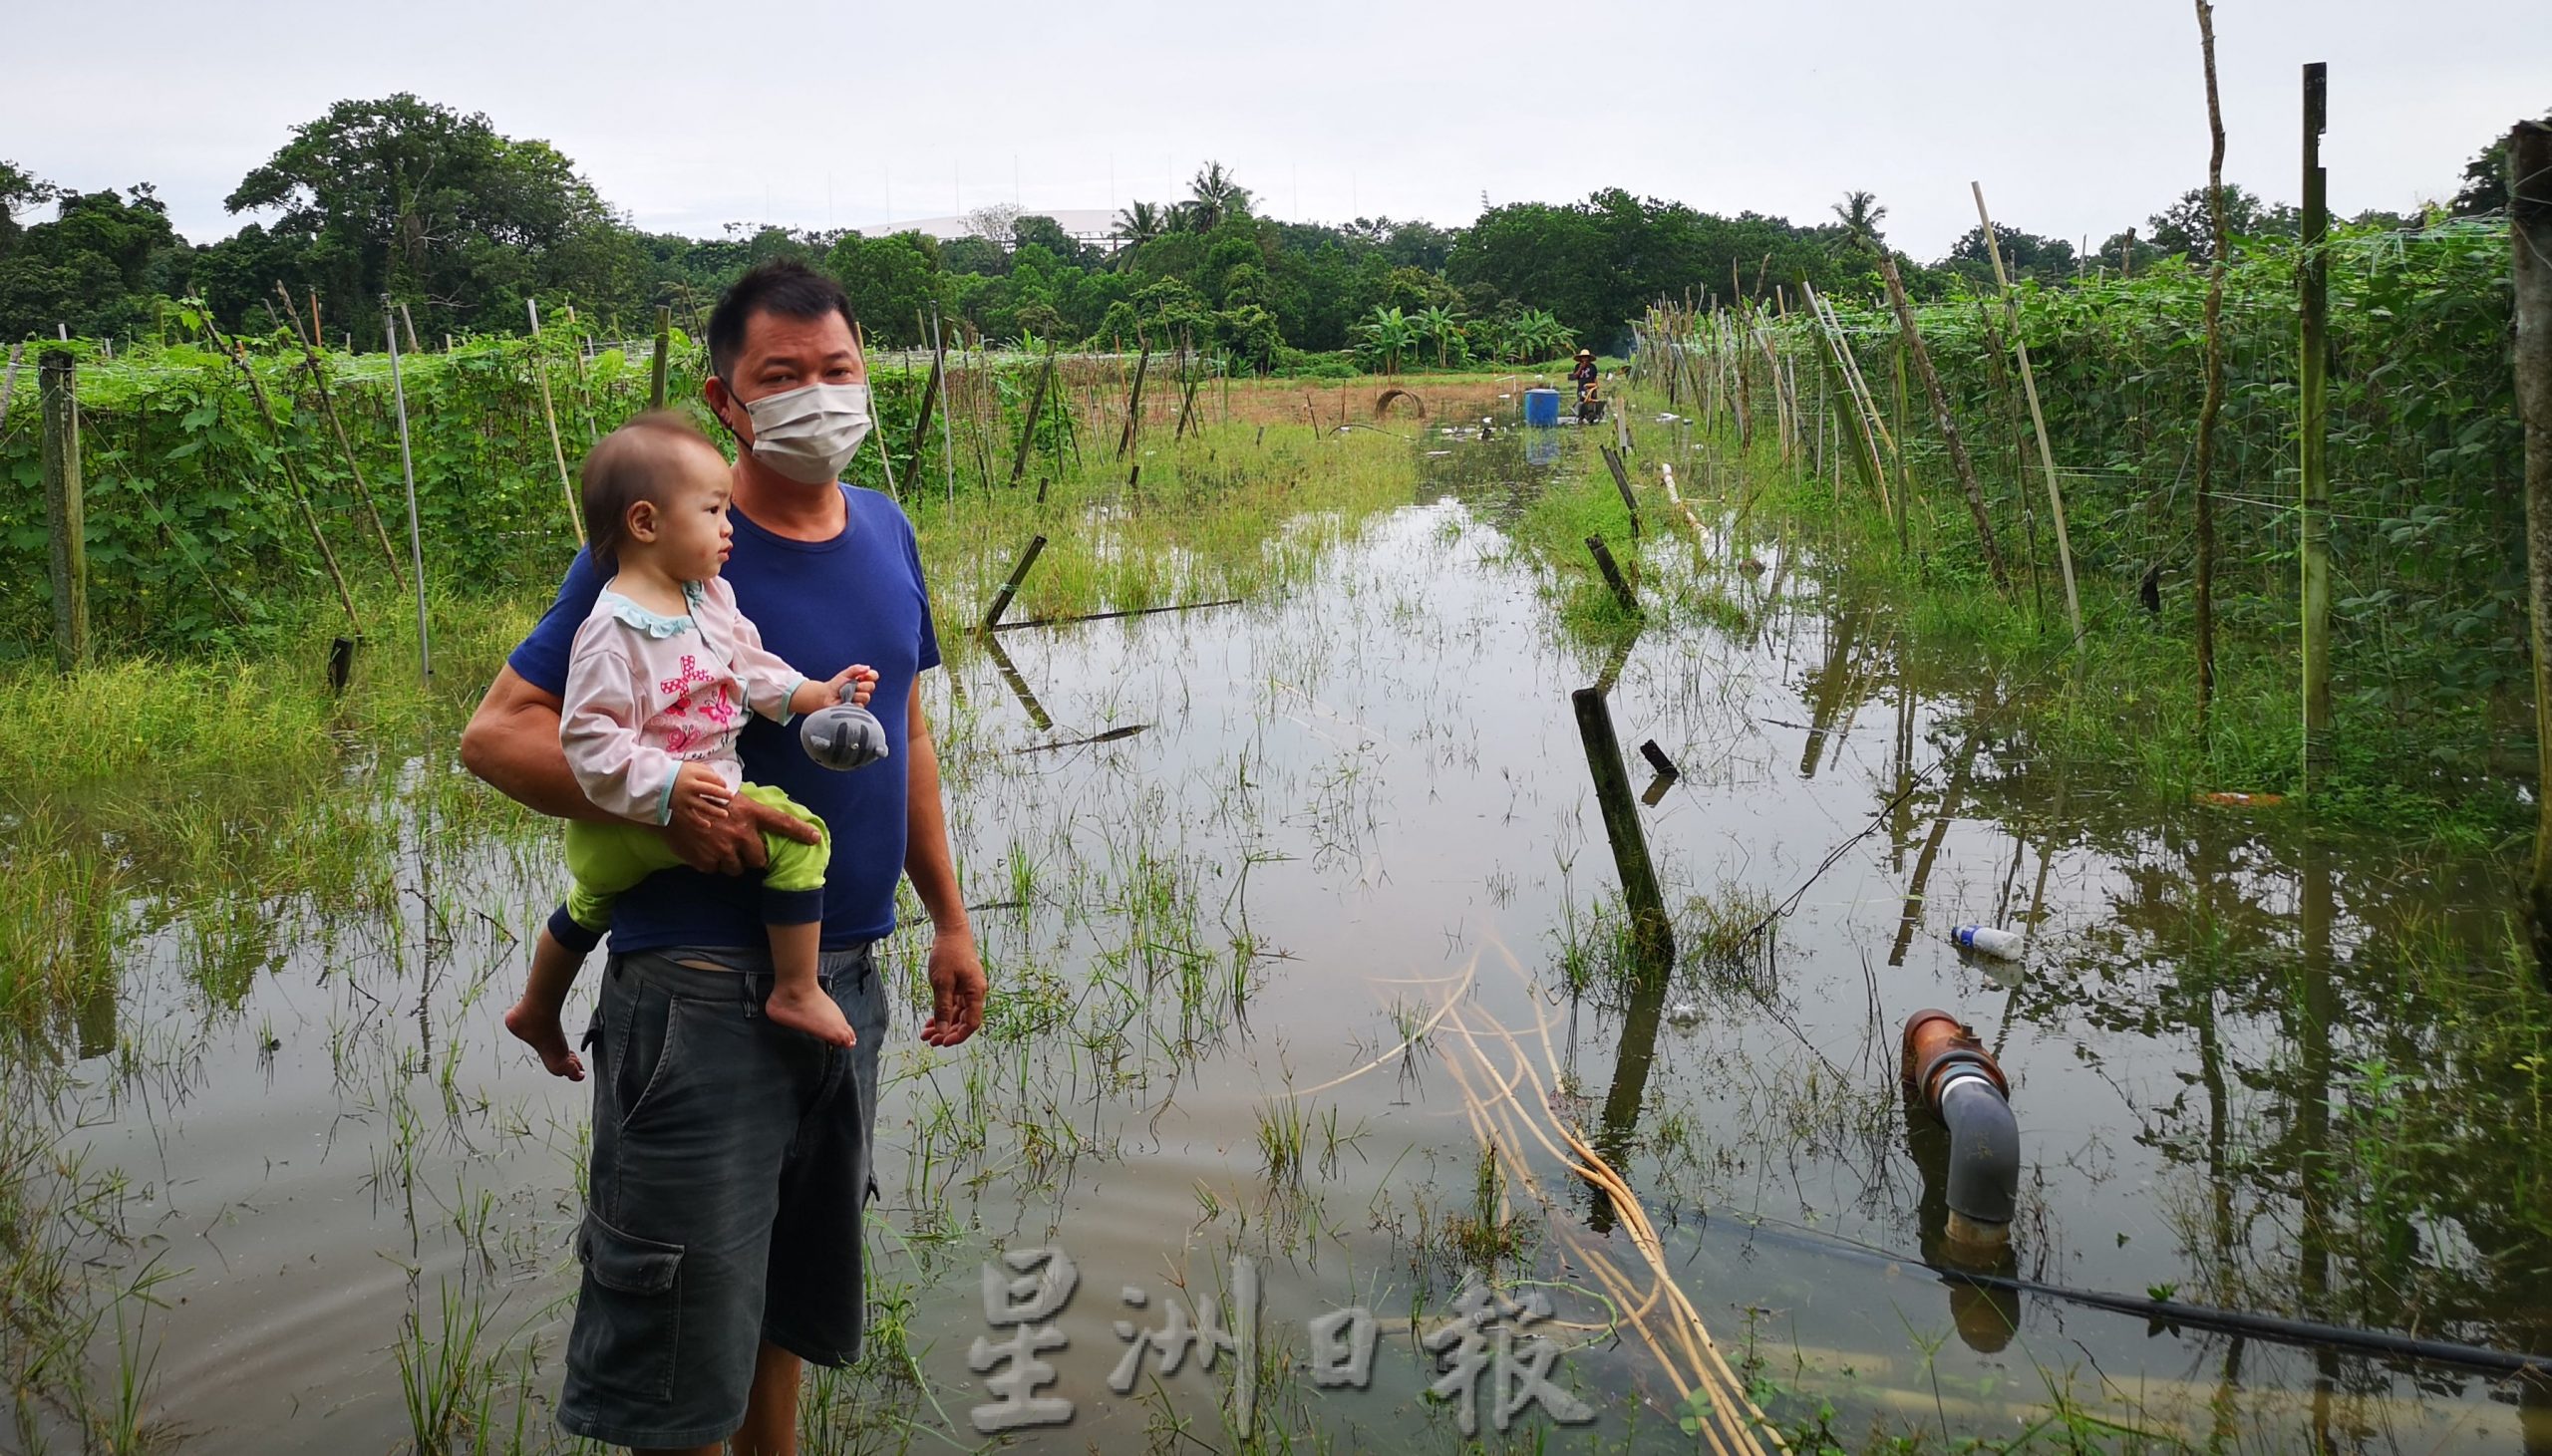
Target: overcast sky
<point x="2079" y="119"/>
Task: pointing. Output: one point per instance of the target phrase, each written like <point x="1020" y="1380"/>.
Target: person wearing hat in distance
<point x="1583" y="376"/>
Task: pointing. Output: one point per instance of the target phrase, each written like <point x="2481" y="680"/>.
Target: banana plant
<point x="1440" y="326"/>
<point x="1389" y="334"/>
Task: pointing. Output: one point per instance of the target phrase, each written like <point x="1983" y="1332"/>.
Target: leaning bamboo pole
<point x="549" y="415"/>
<point x="1941" y="415"/>
<point x="328" y="406"/>
<point x="2037" y="417"/>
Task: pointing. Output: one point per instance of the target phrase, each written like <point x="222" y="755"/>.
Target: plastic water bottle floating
<point x="1991" y="940"/>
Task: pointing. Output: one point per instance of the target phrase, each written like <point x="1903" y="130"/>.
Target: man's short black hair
<point x="782" y="286"/>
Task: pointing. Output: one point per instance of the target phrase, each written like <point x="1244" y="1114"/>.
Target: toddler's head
<point x="655" y="493"/>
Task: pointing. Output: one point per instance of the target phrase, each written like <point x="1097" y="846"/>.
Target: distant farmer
<point x="1583" y="376"/>
<point x="722" y="1236"/>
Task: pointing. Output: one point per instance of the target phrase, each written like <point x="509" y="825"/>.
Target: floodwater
<point x="1270" y="969"/>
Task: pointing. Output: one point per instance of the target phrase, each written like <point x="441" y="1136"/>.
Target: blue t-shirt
<point x="821" y="606"/>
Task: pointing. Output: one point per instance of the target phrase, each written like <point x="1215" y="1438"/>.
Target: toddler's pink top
<point x="647" y="692"/>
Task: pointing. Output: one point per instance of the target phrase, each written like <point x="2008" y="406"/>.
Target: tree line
<point x="462" y="224"/>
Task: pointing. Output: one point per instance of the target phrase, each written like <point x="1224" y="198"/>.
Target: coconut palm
<point x="1860" y="214"/>
<point x="1214" y="195"/>
<point x="1139" y="223"/>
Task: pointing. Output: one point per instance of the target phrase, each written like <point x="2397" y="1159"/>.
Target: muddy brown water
<point x="1355" y="837"/>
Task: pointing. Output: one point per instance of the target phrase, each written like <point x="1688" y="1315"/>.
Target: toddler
<point x="659" y="678"/>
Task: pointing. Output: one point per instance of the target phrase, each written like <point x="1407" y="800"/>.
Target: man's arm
<point x="957" y="983"/>
<point x="512" y="743"/>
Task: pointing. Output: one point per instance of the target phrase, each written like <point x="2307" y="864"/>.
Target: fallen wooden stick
<point x="1110" y="736"/>
<point x="1106" y="616"/>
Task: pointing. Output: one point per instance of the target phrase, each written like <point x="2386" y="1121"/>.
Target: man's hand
<point x="957" y="989"/>
<point x="730" y="842"/>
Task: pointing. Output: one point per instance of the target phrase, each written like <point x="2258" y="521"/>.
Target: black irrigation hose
<point x="2207" y="1316"/>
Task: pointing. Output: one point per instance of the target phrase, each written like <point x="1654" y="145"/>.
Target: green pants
<point x="607" y="858"/>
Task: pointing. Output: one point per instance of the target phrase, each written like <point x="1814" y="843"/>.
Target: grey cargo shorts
<point x="729" y="1179"/>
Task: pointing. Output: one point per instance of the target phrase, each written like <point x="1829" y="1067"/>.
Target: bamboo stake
<point x="2038" y="419"/>
<point x="407" y="469"/>
<point x="1941" y="415"/>
<point x="1904" y="468"/>
<point x="292" y="477"/>
<point x="947" y="440"/>
<point x="2213" y="407"/>
<point x="328" y="406"/>
<point x="886" y="455"/>
<point x="550" y="416"/>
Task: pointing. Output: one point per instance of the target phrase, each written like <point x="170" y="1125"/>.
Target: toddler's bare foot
<point x="809" y="1010"/>
<point x="539" y="1029"/>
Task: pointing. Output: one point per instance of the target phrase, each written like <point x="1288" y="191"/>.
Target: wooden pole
<point x="2530" y="224"/>
<point x="407" y="469"/>
<point x="2313" y="411"/>
<point x="1941" y="415"/>
<point x="1652" y="931"/>
<point x="66" y="519"/>
<point x="2212" y="410"/>
<point x="922" y="421"/>
<point x="1622" y="484"/>
<point x="549" y="417"/>
<point x="1010" y="588"/>
<point x="1612" y="574"/>
<point x="345" y="446"/>
<point x="1036" y="408"/>
<point x="1134" y="403"/>
<point x="2038" y="417"/>
<point x="664" y="348"/>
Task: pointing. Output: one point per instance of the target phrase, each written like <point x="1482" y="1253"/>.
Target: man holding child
<point x="722" y="1240"/>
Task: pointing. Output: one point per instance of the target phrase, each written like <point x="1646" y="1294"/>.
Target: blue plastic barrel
<point x="1541" y="407"/>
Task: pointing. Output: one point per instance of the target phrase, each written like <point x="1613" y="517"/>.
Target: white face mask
<point x="808" y="434"/>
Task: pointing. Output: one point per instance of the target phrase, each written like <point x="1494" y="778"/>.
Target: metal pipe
<point x="1950" y="1074"/>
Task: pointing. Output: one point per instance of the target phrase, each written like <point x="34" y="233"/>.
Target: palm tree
<point x="1139" y="223"/>
<point x="1860" y="215"/>
<point x="1214" y="195"/>
<point x="1389" y="334"/>
<point x="1440" y="324"/>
